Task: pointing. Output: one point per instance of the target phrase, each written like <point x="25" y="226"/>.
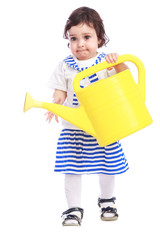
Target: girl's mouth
<point x="82" y="51"/>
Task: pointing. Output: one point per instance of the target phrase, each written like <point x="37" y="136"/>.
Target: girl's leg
<point x="73" y="186"/>
<point x="106" y="200"/>
<point x="107" y="184"/>
<point x="74" y="215"/>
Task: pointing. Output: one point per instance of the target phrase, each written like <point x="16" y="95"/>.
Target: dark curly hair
<point x="90" y="17"/>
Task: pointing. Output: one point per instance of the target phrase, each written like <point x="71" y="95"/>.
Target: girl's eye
<point x="87" y="37"/>
<point x="73" y="38"/>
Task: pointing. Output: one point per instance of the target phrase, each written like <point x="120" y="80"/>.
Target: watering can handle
<point x="103" y="65"/>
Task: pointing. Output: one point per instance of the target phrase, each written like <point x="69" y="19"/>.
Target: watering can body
<point x="110" y="109"/>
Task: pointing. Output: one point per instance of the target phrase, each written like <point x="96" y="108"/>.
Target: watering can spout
<point x="76" y="116"/>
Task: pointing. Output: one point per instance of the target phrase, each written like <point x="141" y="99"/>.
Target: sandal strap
<point x="72" y="217"/>
<point x="74" y="210"/>
<point x="102" y="200"/>
<point x="109" y="210"/>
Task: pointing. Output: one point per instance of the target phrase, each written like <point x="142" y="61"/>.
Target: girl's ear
<point x="99" y="42"/>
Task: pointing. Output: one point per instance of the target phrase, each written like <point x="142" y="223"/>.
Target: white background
<point x="32" y="196"/>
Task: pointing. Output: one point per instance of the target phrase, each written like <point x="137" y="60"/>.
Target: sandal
<point x="108" y="213"/>
<point x="70" y="218"/>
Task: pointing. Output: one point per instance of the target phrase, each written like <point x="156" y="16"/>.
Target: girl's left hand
<point x="111" y="58"/>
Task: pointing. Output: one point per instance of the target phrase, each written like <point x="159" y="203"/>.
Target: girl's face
<point x="83" y="41"/>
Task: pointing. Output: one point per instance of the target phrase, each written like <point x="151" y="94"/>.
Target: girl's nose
<point x="81" y="43"/>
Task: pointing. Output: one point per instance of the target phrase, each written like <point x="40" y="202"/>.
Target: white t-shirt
<point x="62" y="79"/>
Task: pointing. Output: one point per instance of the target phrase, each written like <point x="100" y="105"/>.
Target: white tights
<point x="73" y="185"/>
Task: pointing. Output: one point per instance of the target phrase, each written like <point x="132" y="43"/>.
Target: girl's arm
<point x="59" y="97"/>
<point x="112" y="58"/>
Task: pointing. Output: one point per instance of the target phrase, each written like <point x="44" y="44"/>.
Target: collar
<point x="70" y="61"/>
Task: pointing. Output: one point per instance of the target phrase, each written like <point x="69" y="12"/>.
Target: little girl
<point x="77" y="152"/>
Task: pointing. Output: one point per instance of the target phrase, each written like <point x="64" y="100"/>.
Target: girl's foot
<point x="72" y="217"/>
<point x="108" y="209"/>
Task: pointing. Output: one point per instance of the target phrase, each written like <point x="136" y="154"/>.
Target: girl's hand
<point x="50" y="115"/>
<point x="111" y="58"/>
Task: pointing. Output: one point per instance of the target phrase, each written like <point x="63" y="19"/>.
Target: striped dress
<point x="79" y="153"/>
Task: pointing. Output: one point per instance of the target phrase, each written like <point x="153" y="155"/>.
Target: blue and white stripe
<point x="79" y="153"/>
<point x="72" y="63"/>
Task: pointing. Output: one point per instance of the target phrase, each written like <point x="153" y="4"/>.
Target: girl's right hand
<point x="50" y="115"/>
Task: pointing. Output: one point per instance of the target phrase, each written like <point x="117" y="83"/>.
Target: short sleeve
<point x="57" y="79"/>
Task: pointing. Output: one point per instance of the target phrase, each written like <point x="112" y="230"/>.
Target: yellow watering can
<point x="110" y="109"/>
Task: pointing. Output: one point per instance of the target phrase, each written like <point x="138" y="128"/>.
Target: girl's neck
<point x="85" y="60"/>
